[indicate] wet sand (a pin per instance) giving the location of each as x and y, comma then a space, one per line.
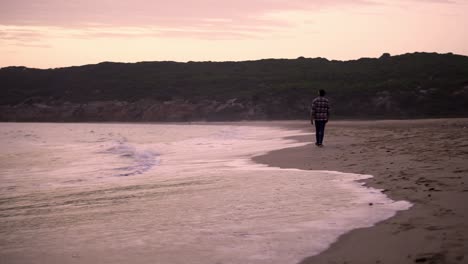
421, 161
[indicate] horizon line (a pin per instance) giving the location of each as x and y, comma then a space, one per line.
225, 61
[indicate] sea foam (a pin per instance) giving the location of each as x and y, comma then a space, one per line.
191, 195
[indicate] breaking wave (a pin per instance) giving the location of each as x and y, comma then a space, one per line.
141, 160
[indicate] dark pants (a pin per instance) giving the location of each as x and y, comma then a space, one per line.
319, 131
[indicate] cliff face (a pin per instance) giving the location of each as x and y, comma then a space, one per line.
381, 105
405, 86
148, 111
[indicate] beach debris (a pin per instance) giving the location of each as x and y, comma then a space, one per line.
431, 258
420, 260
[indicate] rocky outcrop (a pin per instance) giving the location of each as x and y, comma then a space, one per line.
142, 110
416, 102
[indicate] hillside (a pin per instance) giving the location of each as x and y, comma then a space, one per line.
404, 86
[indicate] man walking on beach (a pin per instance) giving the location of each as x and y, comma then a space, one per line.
319, 113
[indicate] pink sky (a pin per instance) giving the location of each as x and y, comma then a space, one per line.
57, 33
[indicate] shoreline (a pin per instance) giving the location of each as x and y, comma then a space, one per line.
421, 161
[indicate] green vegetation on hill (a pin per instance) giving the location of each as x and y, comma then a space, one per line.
409, 85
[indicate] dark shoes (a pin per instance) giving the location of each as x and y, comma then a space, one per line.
319, 145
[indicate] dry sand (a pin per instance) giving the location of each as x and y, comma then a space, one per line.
422, 161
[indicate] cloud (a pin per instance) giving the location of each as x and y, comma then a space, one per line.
206, 19
151, 12
20, 34
148, 32
438, 1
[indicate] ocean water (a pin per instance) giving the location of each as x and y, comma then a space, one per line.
158, 193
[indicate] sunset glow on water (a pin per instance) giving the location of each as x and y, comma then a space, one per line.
119, 193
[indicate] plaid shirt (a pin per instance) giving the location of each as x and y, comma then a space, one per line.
320, 109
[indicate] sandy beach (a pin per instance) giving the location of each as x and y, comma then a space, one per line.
421, 161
